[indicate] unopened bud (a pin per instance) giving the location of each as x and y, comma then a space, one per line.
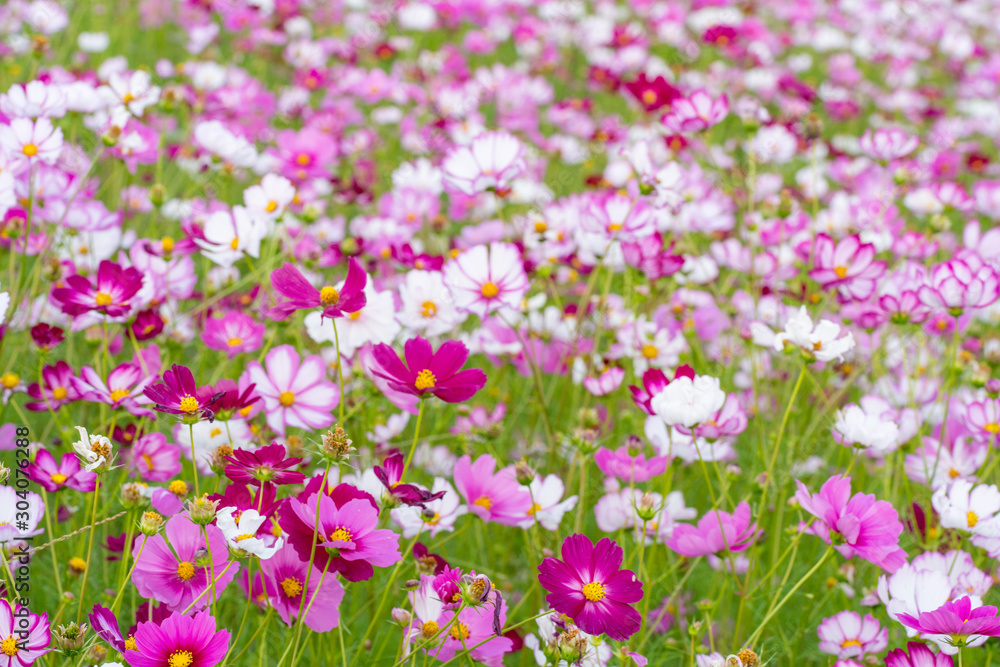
992, 387
524, 472
150, 523
411, 584
4, 473
202, 510
132, 495
110, 136
70, 637
337, 447
96, 654
646, 507
401, 617
748, 658
157, 195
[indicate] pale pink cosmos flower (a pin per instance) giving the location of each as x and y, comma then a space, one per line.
849, 266
982, 418
936, 465
606, 381
484, 279
887, 144
971, 508
491, 162
31, 141
847, 635
699, 111
960, 284
34, 99
295, 391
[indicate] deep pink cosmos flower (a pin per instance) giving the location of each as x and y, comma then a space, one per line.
653, 382
104, 623
24, 639
47, 337
265, 465
231, 399
191, 641
956, 624
285, 576
858, 525
58, 389
178, 394
699, 111
110, 293
147, 325
959, 284
491, 496
154, 459
233, 333
919, 656
348, 540
66, 474
653, 94
301, 294
177, 574
427, 372
729, 420
295, 391
737, 533
629, 463
589, 586
390, 473
848, 266
124, 388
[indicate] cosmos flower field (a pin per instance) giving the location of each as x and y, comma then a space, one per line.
469, 332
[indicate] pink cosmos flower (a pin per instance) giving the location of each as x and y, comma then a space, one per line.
23, 639
959, 284
919, 656
294, 390
497, 497
285, 576
485, 279
154, 459
347, 538
110, 293
58, 389
68, 473
629, 463
605, 383
124, 388
178, 394
491, 162
849, 266
191, 641
390, 473
30, 142
699, 111
887, 144
262, 466
737, 533
858, 525
847, 635
301, 294
304, 154
619, 217
589, 586
956, 624
233, 333
982, 418
427, 372
177, 574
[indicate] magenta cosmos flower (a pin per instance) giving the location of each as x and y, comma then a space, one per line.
155, 459
589, 586
629, 463
390, 473
295, 391
736, 534
497, 497
233, 333
347, 538
179, 641
919, 656
699, 111
849, 266
301, 294
285, 576
124, 388
858, 525
427, 372
177, 573
956, 624
110, 293
18, 649
848, 635
267, 464
178, 394
56, 391
66, 474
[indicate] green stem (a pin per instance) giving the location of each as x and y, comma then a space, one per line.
416, 436
774, 610
194, 461
90, 547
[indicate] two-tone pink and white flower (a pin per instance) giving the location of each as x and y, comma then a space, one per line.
960, 284
295, 391
887, 143
848, 266
699, 111
491, 162
484, 279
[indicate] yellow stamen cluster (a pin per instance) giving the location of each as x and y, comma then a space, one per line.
189, 404
185, 570
594, 591
286, 398
292, 587
425, 380
180, 659
329, 296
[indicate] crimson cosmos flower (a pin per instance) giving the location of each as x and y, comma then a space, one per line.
589, 587
178, 394
428, 372
301, 294
391, 472
267, 464
230, 399
47, 337
110, 293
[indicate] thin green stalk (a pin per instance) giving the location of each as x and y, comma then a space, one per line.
776, 608
90, 547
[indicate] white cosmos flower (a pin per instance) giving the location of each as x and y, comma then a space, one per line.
492, 161
240, 532
856, 427
687, 403
270, 198
549, 507
4, 304
95, 450
973, 509
822, 341
375, 323
428, 306
231, 235
216, 138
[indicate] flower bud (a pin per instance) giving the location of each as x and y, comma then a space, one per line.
132, 495
476, 589
748, 658
4, 473
991, 350
337, 447
70, 637
412, 584
401, 617
523, 472
150, 523
96, 654
646, 507
202, 510
110, 136
992, 387
77, 565
571, 646
217, 461
157, 195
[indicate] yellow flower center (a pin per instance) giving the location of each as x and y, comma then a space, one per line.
189, 404
355, 315
490, 290
235, 243
650, 351
484, 502
850, 642
303, 159
244, 536
425, 380
953, 473
271, 207
972, 519
180, 659
9, 646
428, 309
167, 243
433, 521
9, 380
216, 431
341, 535
993, 428
841, 271
185, 570
541, 227
328, 296
102, 299
459, 631
119, 394
649, 97
58, 477
59, 393
594, 591
429, 629
127, 98
77, 563
292, 587
130, 644
178, 487
31, 150
286, 398
534, 508
614, 227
